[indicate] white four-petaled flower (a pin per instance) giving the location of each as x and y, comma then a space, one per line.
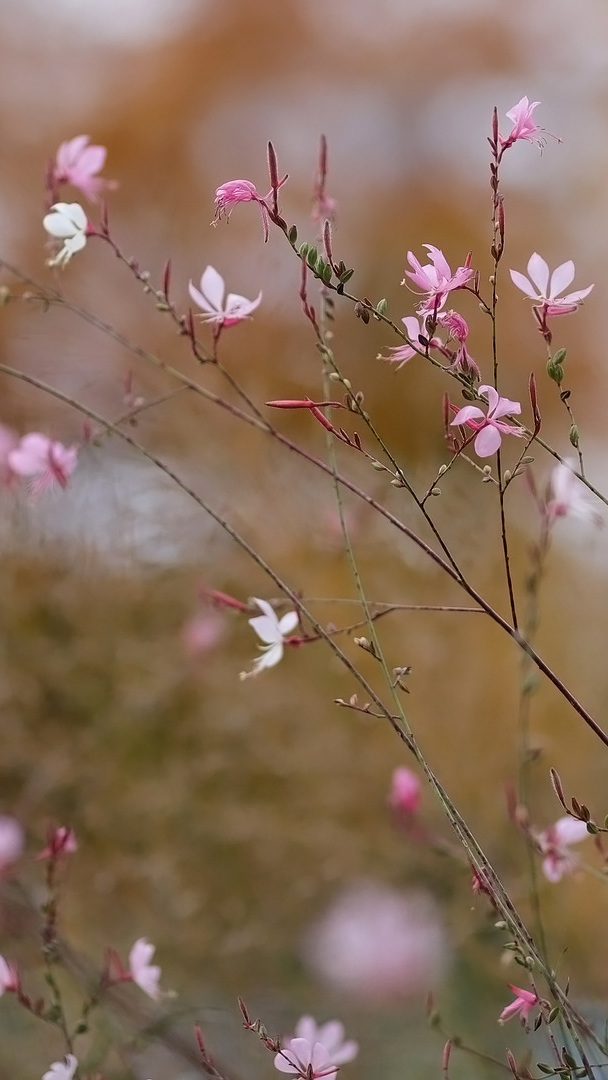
62, 1070
67, 222
315, 1050
210, 298
273, 632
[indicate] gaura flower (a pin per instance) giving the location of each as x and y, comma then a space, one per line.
9, 978
405, 792
545, 293
143, 973
554, 843
435, 279
273, 632
211, 299
490, 429
11, 842
525, 1000
67, 222
62, 1070
237, 191
568, 497
524, 126
315, 1050
458, 329
61, 841
77, 163
402, 353
44, 461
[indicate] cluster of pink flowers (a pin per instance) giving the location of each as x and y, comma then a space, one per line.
41, 461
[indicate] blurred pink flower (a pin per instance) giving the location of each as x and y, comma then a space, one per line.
143, 973
273, 632
568, 497
60, 841
77, 163
378, 944
45, 462
8, 441
211, 299
11, 842
202, 633
315, 1050
545, 292
524, 1002
459, 330
405, 792
554, 843
435, 279
62, 1070
9, 978
67, 222
490, 429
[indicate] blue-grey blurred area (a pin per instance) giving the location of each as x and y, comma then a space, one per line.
227, 821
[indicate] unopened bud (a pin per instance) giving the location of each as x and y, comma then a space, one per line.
574, 436
435, 491
508, 475
487, 469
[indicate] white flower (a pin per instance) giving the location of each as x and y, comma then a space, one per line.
273, 632
143, 973
67, 222
211, 299
555, 843
62, 1070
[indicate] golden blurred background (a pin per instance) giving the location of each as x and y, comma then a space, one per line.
222, 818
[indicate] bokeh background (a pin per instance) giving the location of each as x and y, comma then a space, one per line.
223, 819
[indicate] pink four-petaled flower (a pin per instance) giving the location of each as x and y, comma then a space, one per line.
525, 1000
77, 163
555, 842
435, 279
143, 973
545, 289
43, 461
210, 298
490, 429
315, 1050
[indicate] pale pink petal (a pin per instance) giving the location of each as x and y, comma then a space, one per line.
577, 296
488, 441
561, 277
212, 286
468, 412
521, 282
539, 273
569, 830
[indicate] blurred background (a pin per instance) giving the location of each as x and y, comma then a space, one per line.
230, 822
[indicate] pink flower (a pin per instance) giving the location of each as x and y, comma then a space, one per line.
62, 1070
211, 300
77, 163
525, 1000
554, 844
9, 978
405, 792
435, 279
459, 330
568, 497
490, 428
546, 293
378, 944
403, 353
315, 1050
143, 973
237, 191
60, 841
11, 842
524, 127
44, 461
202, 632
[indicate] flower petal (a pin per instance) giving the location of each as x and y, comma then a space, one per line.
488, 441
561, 277
539, 272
